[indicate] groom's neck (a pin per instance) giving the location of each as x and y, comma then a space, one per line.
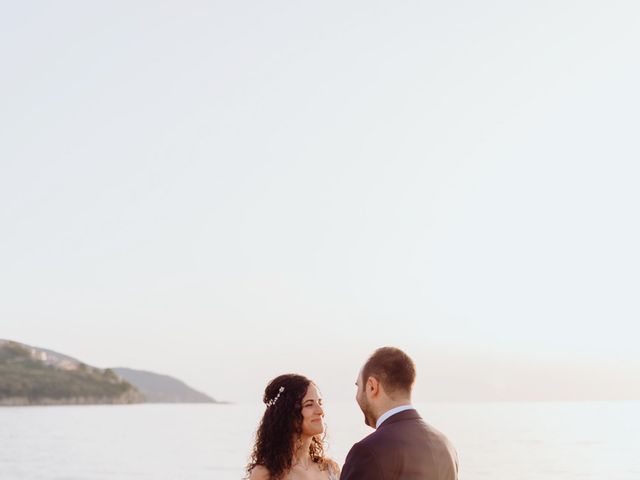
387, 404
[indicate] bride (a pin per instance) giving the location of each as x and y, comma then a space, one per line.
288, 442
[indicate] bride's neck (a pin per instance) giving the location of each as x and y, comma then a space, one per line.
301, 454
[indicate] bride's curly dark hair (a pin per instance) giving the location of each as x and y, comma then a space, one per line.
281, 425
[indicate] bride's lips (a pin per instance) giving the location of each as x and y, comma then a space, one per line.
316, 420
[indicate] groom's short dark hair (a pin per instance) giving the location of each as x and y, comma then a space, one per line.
393, 368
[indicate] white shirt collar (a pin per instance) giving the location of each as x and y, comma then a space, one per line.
392, 412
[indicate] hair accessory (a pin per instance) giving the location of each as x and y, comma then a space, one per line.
275, 399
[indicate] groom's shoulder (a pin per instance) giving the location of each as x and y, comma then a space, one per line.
374, 439
406, 425
366, 443
366, 450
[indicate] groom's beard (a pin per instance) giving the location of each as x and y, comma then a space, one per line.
369, 419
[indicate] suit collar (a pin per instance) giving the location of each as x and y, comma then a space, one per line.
392, 411
411, 414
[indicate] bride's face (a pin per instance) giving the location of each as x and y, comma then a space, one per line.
312, 412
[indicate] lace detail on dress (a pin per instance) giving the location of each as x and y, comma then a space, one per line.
334, 474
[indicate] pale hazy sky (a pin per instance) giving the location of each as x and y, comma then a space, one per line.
224, 191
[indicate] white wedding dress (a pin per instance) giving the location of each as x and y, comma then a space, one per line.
333, 474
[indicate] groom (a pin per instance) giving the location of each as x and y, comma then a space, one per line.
403, 447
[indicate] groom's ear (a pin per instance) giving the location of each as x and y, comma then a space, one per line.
373, 386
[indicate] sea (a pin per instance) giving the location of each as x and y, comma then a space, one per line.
497, 441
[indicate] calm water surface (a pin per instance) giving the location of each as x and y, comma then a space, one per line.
498, 441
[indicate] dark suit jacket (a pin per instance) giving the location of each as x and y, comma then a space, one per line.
404, 447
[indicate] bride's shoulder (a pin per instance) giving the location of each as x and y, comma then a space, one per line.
332, 466
259, 473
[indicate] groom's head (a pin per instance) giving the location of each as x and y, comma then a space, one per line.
384, 382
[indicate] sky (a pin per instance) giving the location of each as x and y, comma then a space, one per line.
227, 191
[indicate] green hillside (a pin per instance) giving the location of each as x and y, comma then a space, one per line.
28, 377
